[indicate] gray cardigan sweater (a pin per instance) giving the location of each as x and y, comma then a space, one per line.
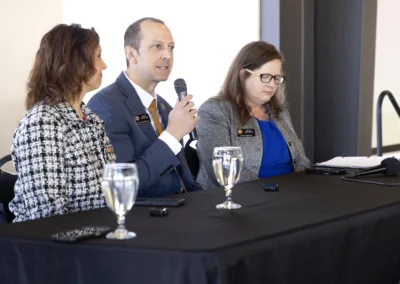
219, 125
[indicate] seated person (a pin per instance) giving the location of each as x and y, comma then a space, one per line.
143, 128
60, 147
250, 112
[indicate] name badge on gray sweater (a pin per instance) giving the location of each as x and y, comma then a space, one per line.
246, 132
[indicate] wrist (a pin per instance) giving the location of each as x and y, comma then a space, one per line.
175, 134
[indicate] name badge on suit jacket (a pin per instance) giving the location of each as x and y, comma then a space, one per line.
142, 118
246, 132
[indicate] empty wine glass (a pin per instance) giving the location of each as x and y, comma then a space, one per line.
120, 184
227, 164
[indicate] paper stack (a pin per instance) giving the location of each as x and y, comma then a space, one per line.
352, 162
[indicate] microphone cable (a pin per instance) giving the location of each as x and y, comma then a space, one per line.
389, 167
350, 179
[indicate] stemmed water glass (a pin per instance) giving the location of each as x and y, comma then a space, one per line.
119, 185
227, 164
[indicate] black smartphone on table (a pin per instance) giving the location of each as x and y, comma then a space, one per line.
162, 202
325, 171
80, 234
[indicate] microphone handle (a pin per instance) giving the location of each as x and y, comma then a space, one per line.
371, 172
370, 169
181, 95
193, 134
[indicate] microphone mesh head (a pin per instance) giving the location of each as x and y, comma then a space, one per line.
392, 166
180, 86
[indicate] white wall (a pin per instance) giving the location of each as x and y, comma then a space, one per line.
207, 33
387, 71
22, 25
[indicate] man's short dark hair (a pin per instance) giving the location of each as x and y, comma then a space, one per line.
133, 34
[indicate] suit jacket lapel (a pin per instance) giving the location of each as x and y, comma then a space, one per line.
282, 127
163, 110
286, 132
254, 162
134, 104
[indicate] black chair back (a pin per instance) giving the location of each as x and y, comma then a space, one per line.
7, 181
191, 158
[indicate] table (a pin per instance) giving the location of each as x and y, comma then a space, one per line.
316, 229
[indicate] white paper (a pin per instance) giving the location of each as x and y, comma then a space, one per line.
352, 162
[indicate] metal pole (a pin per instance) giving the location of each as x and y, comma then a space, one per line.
379, 118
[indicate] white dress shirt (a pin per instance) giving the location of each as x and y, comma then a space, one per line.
146, 100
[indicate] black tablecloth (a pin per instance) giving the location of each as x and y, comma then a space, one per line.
316, 229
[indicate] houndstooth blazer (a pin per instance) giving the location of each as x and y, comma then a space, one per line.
59, 158
219, 125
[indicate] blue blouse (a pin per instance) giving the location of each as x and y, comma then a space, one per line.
276, 159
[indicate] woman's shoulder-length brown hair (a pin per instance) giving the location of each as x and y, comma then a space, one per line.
251, 56
64, 61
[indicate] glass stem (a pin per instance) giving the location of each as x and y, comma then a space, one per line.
228, 194
121, 223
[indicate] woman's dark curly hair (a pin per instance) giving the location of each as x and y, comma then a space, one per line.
64, 61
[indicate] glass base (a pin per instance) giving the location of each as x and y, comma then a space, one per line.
228, 205
120, 235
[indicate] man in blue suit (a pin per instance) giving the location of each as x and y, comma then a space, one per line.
142, 126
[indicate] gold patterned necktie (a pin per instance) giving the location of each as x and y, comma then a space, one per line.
154, 114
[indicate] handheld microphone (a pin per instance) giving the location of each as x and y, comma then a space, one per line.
388, 167
181, 90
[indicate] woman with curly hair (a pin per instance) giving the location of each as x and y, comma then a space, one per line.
60, 147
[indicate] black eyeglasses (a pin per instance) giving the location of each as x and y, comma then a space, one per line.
266, 78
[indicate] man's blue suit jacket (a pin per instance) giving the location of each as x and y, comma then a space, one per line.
118, 105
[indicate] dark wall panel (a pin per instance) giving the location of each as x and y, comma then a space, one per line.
329, 48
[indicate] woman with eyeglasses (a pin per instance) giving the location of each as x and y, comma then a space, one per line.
250, 112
